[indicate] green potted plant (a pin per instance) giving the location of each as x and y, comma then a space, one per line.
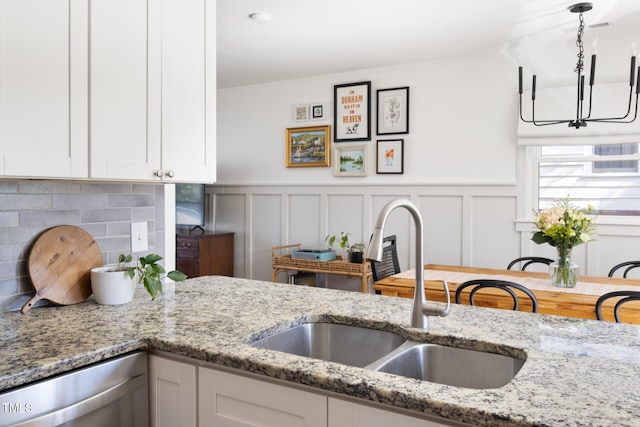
115, 284
343, 242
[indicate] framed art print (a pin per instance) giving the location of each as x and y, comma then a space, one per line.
393, 111
308, 146
350, 160
390, 156
352, 112
318, 111
301, 112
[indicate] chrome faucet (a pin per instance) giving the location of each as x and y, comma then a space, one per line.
421, 308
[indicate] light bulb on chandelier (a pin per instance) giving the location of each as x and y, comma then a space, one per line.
581, 120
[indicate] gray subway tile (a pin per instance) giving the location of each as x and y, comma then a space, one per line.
9, 286
8, 187
131, 200
117, 243
106, 215
143, 214
12, 268
146, 188
119, 229
104, 188
49, 217
24, 201
11, 253
79, 201
98, 229
48, 187
9, 218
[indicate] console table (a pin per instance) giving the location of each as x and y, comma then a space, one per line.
206, 254
283, 262
578, 302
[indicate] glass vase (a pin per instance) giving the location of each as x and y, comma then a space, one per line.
563, 272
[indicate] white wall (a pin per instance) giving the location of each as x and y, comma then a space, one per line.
462, 124
461, 168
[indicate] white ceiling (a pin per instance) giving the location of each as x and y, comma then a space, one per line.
314, 37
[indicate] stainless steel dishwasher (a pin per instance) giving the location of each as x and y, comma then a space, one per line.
107, 394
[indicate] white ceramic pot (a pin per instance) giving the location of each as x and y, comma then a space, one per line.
112, 287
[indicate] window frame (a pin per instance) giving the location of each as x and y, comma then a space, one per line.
530, 158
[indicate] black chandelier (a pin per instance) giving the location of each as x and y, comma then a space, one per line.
581, 120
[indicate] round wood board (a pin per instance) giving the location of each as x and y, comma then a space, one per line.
60, 264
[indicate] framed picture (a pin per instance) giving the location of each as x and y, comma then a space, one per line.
318, 111
350, 160
393, 111
309, 147
352, 112
390, 156
301, 112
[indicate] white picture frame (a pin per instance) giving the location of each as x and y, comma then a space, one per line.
350, 160
301, 112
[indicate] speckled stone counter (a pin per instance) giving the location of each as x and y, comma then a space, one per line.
577, 373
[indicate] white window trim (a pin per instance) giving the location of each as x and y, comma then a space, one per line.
528, 167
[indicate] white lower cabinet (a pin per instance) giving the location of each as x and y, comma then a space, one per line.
229, 400
172, 393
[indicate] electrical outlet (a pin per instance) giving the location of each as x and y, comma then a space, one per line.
139, 237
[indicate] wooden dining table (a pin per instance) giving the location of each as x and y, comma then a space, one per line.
578, 302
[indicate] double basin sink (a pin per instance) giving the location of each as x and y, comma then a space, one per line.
389, 352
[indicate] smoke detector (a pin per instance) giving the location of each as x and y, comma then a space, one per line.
260, 18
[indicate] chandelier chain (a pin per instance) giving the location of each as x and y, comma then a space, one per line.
580, 44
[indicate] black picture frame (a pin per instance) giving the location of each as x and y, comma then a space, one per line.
392, 111
352, 112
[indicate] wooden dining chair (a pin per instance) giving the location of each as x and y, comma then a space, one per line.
528, 260
623, 298
504, 285
627, 265
389, 264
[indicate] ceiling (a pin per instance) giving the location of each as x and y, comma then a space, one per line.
306, 38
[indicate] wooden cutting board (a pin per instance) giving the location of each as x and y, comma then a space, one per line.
60, 264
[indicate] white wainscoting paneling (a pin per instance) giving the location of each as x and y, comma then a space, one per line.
463, 225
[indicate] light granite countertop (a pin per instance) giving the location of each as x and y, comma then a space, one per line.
577, 373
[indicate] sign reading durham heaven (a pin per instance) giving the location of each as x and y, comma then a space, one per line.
352, 112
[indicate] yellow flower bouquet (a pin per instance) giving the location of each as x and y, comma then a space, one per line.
564, 226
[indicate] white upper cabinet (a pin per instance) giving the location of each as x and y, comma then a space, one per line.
43, 88
188, 90
125, 101
151, 65
108, 89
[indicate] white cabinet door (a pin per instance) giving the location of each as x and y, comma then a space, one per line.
125, 42
188, 90
172, 393
153, 90
227, 400
43, 88
348, 414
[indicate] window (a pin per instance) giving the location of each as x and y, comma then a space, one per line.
615, 165
579, 172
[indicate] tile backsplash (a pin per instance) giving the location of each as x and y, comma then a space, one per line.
104, 210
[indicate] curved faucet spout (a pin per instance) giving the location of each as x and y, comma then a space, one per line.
421, 308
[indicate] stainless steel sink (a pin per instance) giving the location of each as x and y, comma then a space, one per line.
350, 345
450, 365
389, 352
